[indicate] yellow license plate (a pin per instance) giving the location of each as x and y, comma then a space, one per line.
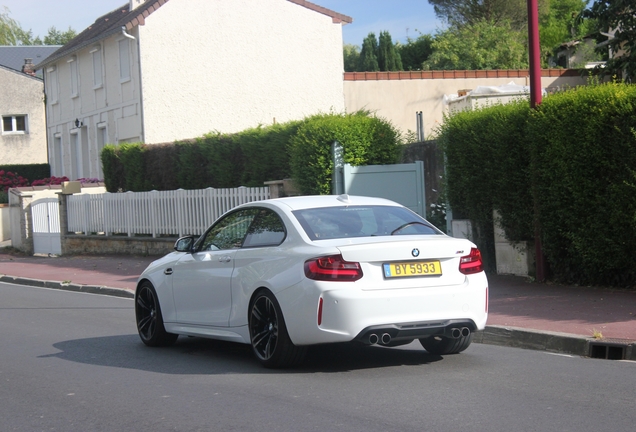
412, 268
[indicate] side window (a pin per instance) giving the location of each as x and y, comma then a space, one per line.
229, 232
16, 124
266, 230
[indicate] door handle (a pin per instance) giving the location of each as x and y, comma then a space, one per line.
167, 271
225, 258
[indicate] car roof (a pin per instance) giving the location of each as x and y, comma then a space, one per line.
313, 201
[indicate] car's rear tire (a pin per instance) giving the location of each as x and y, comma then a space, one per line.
442, 345
149, 318
268, 334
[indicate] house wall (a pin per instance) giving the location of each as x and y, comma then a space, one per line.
398, 96
21, 94
225, 66
110, 109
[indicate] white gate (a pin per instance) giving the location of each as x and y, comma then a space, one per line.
46, 226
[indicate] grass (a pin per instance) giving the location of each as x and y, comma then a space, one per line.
596, 334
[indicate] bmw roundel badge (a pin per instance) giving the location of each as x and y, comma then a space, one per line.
415, 252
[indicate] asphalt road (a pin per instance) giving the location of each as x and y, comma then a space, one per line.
73, 362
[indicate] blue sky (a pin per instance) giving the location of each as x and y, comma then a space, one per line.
401, 18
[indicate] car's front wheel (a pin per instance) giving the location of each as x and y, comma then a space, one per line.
442, 345
149, 318
268, 334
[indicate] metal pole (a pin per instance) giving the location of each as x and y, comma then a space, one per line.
535, 99
337, 187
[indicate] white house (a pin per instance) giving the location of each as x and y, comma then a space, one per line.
22, 132
156, 71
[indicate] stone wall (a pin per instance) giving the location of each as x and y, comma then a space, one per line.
116, 245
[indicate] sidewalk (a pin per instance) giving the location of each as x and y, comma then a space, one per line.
524, 314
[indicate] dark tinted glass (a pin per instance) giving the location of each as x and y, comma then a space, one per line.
362, 221
266, 230
228, 232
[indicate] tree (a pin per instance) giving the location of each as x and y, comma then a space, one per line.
368, 60
388, 57
617, 18
482, 45
470, 12
560, 23
12, 34
415, 52
10, 31
351, 55
56, 37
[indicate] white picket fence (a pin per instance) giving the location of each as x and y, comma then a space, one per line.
157, 213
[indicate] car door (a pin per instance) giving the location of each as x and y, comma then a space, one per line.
202, 279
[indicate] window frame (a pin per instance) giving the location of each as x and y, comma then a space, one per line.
124, 60
98, 67
52, 85
74, 76
14, 124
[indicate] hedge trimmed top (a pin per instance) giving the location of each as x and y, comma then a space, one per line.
300, 150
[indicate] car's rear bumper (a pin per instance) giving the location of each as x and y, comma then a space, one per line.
347, 313
405, 332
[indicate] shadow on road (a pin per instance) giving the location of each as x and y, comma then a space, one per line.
193, 356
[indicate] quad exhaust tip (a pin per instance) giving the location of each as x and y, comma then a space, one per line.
385, 339
456, 333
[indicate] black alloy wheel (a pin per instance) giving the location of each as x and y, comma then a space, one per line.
268, 334
149, 318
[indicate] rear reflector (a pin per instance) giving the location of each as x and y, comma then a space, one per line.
471, 263
332, 268
320, 311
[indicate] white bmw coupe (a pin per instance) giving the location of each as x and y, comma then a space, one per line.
285, 273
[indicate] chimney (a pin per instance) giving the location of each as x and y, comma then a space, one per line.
28, 67
134, 4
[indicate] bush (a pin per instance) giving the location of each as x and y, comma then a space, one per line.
573, 158
365, 140
113, 168
29, 171
585, 156
9, 180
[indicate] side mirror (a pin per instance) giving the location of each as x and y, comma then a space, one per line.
184, 244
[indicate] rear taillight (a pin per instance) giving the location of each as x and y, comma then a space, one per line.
471, 263
332, 268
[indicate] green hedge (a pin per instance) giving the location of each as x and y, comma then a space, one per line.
254, 156
366, 140
29, 171
585, 160
487, 163
576, 154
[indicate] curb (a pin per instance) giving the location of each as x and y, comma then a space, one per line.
555, 342
91, 289
515, 337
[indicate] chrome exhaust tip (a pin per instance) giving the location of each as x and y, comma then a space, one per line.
373, 339
386, 338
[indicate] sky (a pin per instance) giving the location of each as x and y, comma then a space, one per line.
401, 18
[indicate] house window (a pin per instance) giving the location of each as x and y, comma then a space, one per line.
124, 60
51, 84
97, 67
56, 166
14, 124
74, 77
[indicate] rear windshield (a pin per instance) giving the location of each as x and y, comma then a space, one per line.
362, 221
